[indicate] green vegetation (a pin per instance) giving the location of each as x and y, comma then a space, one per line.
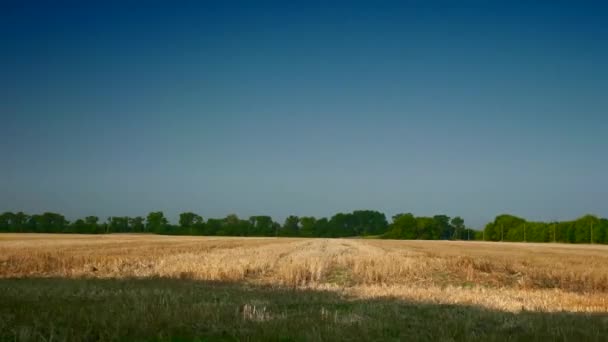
365, 223
438, 227
185, 310
357, 223
587, 229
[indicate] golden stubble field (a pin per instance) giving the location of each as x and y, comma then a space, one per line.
500, 276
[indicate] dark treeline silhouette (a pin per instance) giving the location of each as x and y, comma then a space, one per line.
357, 223
587, 229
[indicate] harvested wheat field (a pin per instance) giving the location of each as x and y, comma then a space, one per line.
143, 287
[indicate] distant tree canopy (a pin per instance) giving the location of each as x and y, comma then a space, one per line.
438, 227
587, 229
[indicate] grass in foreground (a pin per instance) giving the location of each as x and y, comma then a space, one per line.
172, 309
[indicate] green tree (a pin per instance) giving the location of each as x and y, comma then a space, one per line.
341, 225
48, 222
5, 221
189, 219
291, 227
117, 224
262, 226
582, 228
403, 227
136, 224
368, 222
499, 229
91, 225
440, 228
457, 225
190, 223
307, 226
79, 226
321, 227
233, 226
14, 222
427, 228
156, 222
213, 227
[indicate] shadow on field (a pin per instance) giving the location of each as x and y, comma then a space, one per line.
183, 310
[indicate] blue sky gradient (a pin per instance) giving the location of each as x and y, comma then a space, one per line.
461, 108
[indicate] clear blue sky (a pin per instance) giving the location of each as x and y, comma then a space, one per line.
278, 108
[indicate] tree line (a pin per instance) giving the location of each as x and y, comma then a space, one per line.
357, 223
587, 229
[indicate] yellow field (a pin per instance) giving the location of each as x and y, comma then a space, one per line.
499, 276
